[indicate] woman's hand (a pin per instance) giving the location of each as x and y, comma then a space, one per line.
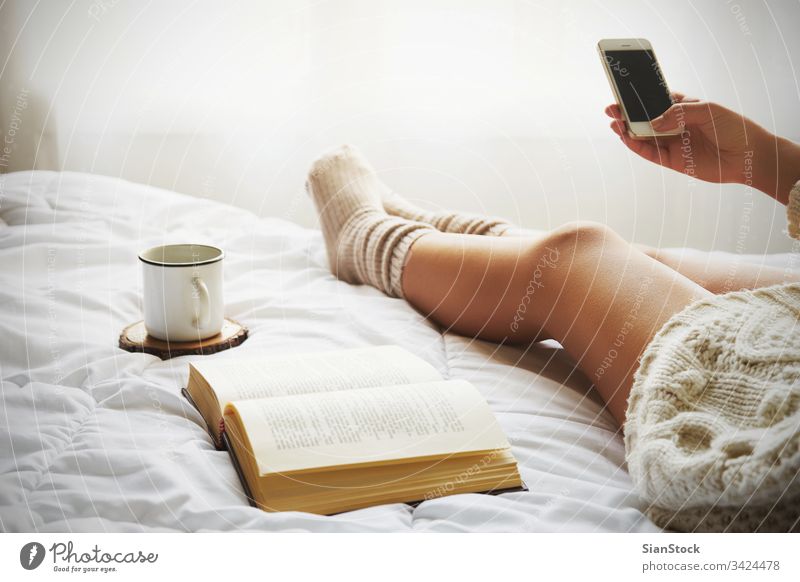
716, 145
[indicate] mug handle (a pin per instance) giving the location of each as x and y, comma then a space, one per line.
203, 314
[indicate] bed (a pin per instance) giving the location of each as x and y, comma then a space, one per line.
94, 438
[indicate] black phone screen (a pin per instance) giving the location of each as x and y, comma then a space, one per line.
640, 83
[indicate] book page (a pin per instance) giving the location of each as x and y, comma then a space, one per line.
364, 426
285, 375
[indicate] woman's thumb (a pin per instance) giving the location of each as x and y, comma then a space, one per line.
683, 114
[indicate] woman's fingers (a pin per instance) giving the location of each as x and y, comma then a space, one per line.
615, 112
685, 109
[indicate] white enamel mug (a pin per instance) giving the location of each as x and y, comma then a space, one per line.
182, 291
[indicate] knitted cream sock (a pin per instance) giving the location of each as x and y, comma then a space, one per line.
365, 245
444, 220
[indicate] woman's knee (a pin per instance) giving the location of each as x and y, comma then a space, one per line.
556, 256
549, 260
581, 237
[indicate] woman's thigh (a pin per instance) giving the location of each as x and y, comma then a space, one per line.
580, 284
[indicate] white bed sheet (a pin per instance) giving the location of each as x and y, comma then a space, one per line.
96, 438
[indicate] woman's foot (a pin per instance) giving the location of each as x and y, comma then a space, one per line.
365, 244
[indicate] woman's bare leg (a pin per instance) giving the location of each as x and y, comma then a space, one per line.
581, 284
715, 272
721, 273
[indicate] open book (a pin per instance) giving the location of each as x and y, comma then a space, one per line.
342, 430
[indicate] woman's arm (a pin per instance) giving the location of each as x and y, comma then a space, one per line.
779, 177
717, 145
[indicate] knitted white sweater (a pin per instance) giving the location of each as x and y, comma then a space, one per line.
712, 431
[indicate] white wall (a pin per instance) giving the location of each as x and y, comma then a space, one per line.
491, 106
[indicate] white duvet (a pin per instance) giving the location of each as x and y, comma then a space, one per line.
96, 438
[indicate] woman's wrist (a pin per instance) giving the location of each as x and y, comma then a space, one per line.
776, 167
788, 169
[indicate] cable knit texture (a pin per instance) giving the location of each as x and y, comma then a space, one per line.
713, 418
712, 431
365, 245
793, 211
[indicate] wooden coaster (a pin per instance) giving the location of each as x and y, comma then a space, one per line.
134, 338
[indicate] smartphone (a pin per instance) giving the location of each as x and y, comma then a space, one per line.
637, 82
